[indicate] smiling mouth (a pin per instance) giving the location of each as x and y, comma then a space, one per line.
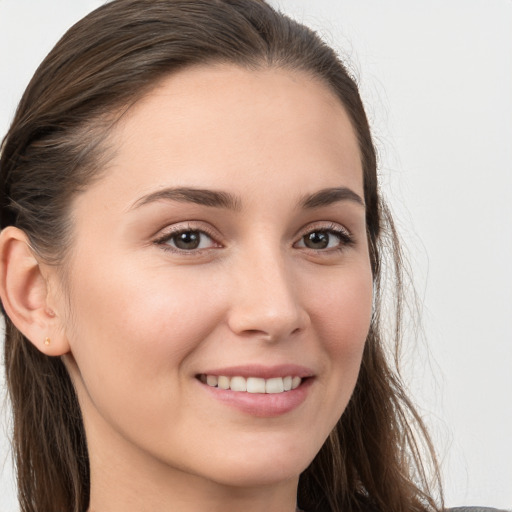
252, 384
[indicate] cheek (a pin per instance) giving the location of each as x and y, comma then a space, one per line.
147, 308
342, 316
343, 311
136, 334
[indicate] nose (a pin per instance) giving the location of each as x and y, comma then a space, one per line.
267, 302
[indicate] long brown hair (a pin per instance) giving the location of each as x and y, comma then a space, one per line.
374, 458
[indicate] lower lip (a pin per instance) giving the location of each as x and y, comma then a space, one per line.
263, 405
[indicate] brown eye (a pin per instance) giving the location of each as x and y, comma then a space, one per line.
325, 239
317, 240
187, 240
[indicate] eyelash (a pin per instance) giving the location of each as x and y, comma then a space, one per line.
344, 236
174, 232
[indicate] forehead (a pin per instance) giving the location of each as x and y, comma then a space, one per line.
223, 123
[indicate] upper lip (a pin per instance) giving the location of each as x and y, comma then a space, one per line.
261, 371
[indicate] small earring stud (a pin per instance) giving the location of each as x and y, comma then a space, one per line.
47, 341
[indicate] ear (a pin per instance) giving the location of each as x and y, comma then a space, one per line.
26, 295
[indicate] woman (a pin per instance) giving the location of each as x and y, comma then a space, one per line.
191, 263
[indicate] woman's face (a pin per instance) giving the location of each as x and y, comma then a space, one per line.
226, 239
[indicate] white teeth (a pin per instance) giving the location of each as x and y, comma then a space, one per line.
255, 385
238, 384
252, 384
274, 385
211, 380
223, 382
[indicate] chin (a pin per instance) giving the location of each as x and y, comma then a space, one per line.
268, 467
247, 476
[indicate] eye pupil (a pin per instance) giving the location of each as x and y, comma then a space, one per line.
317, 240
187, 240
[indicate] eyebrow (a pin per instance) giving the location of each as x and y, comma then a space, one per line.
220, 199
213, 198
329, 196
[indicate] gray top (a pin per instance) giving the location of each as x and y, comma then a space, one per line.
475, 509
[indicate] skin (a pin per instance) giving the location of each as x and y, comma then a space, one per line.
137, 319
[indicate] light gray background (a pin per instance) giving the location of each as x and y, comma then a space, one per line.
437, 81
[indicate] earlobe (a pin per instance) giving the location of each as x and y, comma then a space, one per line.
25, 295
